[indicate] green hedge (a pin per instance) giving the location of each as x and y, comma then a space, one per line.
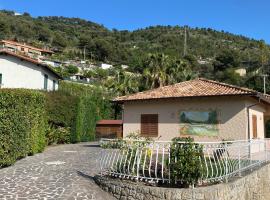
86, 117
22, 124
76, 108
61, 108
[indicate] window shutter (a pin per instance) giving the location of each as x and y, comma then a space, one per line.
54, 83
149, 125
45, 81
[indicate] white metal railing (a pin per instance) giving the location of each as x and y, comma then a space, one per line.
153, 160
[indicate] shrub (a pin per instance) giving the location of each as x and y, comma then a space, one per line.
57, 135
185, 166
61, 109
22, 124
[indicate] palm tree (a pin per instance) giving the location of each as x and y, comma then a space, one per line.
156, 70
161, 70
123, 83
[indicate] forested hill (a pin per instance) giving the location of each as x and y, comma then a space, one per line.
73, 34
209, 53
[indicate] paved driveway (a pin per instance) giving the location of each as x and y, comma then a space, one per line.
60, 172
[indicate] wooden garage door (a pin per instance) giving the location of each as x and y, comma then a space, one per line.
149, 125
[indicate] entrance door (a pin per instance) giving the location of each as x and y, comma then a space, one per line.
254, 126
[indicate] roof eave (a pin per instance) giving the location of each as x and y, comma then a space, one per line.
183, 97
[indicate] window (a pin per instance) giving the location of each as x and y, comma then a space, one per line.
54, 85
1, 82
45, 81
149, 125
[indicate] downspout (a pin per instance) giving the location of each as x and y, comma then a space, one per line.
250, 106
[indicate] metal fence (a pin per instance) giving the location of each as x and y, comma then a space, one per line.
152, 160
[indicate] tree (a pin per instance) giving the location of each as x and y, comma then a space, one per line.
156, 68
4, 29
72, 69
59, 40
161, 70
226, 59
230, 76
264, 54
123, 83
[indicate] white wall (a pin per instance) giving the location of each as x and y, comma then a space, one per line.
17, 73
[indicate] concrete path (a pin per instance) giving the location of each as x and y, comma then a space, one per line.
60, 172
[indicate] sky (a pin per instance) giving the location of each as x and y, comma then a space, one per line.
250, 18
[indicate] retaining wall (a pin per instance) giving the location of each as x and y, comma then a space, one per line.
254, 186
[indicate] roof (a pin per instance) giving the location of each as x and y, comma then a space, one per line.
194, 88
25, 45
109, 122
30, 60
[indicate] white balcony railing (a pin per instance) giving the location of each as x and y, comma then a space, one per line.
158, 161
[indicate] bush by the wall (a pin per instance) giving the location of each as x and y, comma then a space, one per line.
22, 124
57, 135
185, 167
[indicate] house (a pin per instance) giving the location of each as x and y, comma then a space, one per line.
79, 78
19, 71
241, 71
203, 109
24, 49
105, 66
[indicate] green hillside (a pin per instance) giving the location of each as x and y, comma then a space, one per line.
209, 53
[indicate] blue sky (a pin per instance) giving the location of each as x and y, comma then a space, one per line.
246, 17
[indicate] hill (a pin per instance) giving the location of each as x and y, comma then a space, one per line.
73, 34
208, 52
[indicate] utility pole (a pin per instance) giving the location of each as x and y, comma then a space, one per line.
185, 41
84, 53
264, 82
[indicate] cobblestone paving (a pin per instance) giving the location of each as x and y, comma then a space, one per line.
60, 172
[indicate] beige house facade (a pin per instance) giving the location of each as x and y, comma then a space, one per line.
203, 109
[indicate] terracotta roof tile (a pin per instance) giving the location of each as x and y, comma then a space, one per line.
25, 45
194, 88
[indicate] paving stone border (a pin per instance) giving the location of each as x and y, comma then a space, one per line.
254, 186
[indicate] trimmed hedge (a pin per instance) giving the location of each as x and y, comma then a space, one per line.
86, 118
29, 119
22, 124
76, 108
61, 108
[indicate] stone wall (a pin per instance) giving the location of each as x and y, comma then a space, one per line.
254, 186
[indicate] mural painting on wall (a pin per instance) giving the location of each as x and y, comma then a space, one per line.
199, 123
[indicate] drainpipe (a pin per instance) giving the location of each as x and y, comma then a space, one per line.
249, 136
